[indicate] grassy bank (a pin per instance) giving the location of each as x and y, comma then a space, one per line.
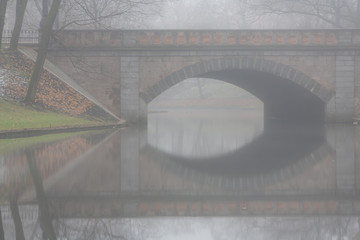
15, 116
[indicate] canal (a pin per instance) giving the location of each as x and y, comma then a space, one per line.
187, 174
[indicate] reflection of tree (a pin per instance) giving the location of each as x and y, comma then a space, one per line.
357, 236
112, 229
312, 228
2, 234
192, 134
17, 220
45, 219
335, 13
50, 158
272, 228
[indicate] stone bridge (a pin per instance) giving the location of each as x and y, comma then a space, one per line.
306, 75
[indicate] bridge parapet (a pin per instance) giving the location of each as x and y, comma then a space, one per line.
207, 38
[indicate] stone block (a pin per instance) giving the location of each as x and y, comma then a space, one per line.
345, 37
268, 66
345, 84
251, 63
145, 97
156, 89
195, 69
276, 68
180, 75
285, 71
216, 64
174, 79
203, 67
129, 98
129, 76
163, 85
130, 39
347, 68
344, 63
130, 84
291, 74
344, 58
345, 90
345, 75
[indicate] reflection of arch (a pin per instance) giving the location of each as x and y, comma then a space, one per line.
292, 153
286, 92
203, 134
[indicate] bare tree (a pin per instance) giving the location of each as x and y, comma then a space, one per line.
43, 47
3, 5
333, 13
216, 14
97, 14
20, 12
84, 14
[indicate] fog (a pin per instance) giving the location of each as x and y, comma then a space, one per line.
210, 139
257, 14
194, 14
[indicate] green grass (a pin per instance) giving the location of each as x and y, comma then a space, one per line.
14, 116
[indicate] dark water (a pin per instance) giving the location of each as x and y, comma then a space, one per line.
186, 175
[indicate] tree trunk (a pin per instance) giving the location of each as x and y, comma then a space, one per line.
2, 234
20, 12
3, 5
357, 24
19, 231
44, 14
43, 47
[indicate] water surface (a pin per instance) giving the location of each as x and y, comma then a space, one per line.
186, 175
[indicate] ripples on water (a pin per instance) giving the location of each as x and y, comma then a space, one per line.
186, 175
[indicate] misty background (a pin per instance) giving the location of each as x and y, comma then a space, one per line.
194, 14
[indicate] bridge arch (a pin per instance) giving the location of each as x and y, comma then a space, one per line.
287, 93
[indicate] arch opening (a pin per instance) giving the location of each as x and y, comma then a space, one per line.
289, 98
201, 118
205, 93
284, 100
288, 95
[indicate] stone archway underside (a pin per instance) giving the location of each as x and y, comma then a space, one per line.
287, 93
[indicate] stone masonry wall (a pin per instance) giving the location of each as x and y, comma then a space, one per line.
119, 59
98, 75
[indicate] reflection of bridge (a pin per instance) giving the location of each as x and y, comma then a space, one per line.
130, 182
298, 74
165, 205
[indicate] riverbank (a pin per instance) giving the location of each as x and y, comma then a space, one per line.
17, 120
57, 106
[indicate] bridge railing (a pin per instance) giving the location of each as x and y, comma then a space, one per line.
27, 36
312, 38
